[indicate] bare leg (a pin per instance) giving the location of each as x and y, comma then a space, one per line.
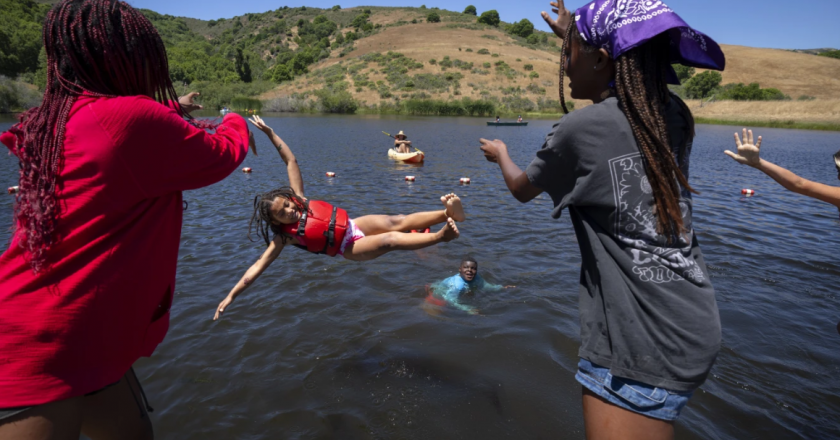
373, 246
118, 412
52, 421
380, 224
605, 421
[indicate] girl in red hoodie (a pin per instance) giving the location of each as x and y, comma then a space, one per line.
87, 281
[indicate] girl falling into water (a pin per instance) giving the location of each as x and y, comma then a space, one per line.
284, 216
650, 329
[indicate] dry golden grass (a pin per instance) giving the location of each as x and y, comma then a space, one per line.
795, 74
820, 110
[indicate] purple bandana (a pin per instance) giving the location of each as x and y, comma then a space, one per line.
621, 25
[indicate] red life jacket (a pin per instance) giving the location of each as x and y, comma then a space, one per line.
322, 226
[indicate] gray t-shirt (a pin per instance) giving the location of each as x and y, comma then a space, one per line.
647, 308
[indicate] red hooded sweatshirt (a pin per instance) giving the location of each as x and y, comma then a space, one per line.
104, 300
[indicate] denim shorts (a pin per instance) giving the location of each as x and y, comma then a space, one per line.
632, 395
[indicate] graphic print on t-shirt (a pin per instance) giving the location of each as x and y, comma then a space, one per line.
635, 226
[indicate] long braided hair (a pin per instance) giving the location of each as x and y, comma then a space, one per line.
100, 48
261, 223
641, 87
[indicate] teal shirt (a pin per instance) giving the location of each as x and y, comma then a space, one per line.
451, 289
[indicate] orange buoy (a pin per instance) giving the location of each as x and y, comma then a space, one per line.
14, 189
747, 192
465, 181
330, 174
246, 170
426, 231
409, 178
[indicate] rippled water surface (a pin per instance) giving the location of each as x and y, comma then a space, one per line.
327, 348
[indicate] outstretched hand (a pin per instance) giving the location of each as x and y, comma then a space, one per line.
261, 125
492, 149
563, 21
222, 306
748, 152
187, 103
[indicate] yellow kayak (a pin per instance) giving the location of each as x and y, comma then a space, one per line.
413, 157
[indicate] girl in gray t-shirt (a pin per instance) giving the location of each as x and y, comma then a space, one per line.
650, 329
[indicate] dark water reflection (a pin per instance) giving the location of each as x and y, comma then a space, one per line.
327, 348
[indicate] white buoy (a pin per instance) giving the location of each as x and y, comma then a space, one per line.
330, 174
465, 181
747, 192
14, 189
409, 178
246, 170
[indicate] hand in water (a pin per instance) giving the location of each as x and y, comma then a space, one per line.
492, 149
260, 124
748, 153
187, 103
564, 18
222, 306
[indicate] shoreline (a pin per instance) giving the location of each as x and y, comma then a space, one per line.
768, 123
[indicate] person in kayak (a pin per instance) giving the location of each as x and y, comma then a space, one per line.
466, 282
285, 216
401, 143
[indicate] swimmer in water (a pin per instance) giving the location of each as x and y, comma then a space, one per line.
284, 216
467, 281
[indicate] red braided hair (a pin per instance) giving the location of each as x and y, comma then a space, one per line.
100, 48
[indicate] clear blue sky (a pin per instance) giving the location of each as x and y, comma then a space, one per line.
804, 24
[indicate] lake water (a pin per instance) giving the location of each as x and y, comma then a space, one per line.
327, 348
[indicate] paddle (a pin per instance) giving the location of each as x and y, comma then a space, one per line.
388, 134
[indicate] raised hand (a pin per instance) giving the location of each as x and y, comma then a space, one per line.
187, 103
563, 21
748, 152
492, 149
222, 306
260, 124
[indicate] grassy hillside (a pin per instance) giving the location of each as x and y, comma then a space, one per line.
379, 58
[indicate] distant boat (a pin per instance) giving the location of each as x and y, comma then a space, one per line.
507, 124
224, 111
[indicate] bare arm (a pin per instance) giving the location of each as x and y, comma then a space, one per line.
251, 275
748, 154
292, 168
515, 179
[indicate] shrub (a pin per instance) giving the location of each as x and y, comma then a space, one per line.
534, 75
433, 17
470, 10
339, 38
495, 55
340, 101
445, 62
469, 50
281, 73
684, 73
831, 54
483, 52
245, 103
528, 67
414, 21
490, 17
522, 28
486, 65
702, 85
336, 8
433, 61
752, 92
